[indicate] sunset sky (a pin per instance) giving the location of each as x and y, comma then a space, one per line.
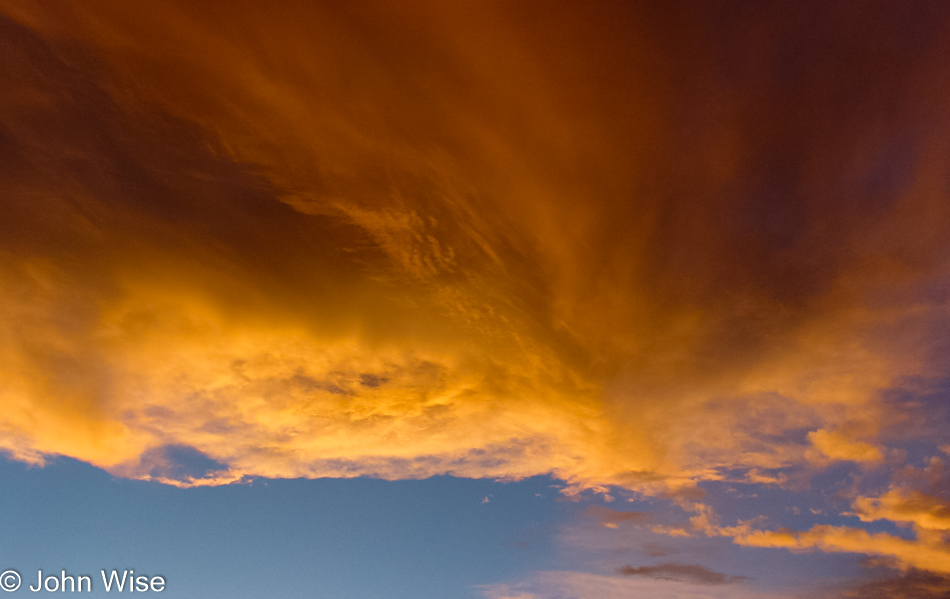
477, 299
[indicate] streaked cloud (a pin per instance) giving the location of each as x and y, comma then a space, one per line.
923, 554
631, 247
682, 572
614, 518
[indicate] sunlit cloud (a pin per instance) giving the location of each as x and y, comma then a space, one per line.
933, 556
622, 246
836, 446
918, 497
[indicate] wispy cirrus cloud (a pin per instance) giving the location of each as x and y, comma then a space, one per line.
693, 573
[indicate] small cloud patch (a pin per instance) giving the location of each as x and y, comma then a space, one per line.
692, 573
179, 465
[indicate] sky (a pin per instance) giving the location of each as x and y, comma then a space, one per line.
477, 299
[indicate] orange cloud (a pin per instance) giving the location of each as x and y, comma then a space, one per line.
841, 539
836, 446
403, 240
920, 498
925, 511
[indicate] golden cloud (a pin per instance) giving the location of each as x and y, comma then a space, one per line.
921, 498
925, 511
477, 239
836, 446
930, 556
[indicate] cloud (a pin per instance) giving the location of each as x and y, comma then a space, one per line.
924, 554
920, 497
693, 573
178, 466
614, 518
928, 550
910, 585
836, 446
622, 246
159, 307
925, 511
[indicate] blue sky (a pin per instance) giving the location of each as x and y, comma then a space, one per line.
371, 538
307, 538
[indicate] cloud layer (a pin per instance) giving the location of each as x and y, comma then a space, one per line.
644, 246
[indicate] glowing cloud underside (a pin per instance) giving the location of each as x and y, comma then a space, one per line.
623, 247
